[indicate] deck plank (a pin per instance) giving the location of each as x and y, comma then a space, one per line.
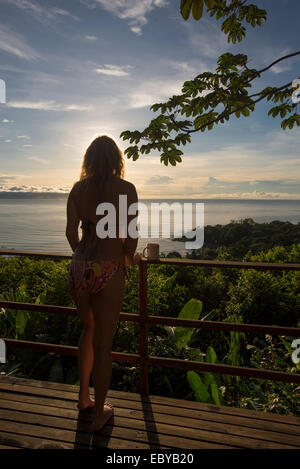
125, 428
41, 414
9, 447
123, 418
159, 400
163, 414
14, 441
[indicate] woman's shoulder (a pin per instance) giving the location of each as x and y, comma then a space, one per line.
127, 186
74, 189
77, 191
79, 186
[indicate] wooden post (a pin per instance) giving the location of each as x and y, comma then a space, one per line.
144, 388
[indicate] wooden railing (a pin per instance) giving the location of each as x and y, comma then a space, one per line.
143, 359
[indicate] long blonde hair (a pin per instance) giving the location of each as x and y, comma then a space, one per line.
102, 160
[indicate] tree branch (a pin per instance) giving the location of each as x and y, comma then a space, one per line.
224, 114
278, 60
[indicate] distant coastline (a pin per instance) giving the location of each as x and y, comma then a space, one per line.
35, 221
63, 195
33, 195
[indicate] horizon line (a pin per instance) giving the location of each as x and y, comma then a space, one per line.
6, 194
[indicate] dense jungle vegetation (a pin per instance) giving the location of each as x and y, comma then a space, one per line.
216, 294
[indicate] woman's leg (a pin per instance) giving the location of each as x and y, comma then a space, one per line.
85, 347
106, 307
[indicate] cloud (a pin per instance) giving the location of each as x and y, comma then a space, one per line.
154, 91
48, 106
283, 66
43, 105
25, 137
137, 30
34, 189
91, 38
12, 188
159, 180
208, 40
184, 66
114, 70
15, 44
40, 13
133, 11
4, 179
39, 160
7, 121
261, 186
215, 182
164, 84
56, 12
279, 68
75, 107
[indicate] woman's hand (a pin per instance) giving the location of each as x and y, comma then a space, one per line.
133, 260
136, 258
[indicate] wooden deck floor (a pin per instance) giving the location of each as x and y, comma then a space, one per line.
37, 414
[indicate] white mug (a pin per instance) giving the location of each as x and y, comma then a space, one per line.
152, 251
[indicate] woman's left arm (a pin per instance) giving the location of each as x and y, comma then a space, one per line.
72, 223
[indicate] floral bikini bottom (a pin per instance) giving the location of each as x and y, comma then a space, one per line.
92, 276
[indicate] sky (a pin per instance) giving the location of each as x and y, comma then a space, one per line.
76, 69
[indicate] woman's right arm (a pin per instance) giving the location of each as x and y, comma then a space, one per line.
72, 223
131, 240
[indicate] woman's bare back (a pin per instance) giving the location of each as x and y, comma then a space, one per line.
86, 199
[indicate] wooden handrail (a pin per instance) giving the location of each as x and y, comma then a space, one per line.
164, 320
162, 362
143, 359
224, 264
39, 254
169, 261
66, 349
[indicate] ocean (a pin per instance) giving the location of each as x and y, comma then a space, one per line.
38, 224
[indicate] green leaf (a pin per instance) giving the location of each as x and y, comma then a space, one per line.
211, 356
21, 321
209, 379
191, 310
197, 9
198, 387
245, 112
195, 354
185, 8
215, 393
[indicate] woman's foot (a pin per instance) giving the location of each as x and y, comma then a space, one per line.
100, 420
85, 403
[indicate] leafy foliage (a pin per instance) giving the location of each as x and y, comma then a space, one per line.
235, 13
239, 237
211, 99
217, 294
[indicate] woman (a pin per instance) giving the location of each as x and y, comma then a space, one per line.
96, 272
